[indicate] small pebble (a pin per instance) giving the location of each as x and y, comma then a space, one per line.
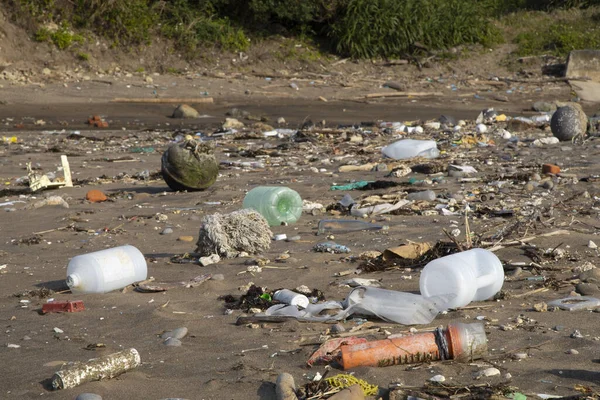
520, 356
88, 396
95, 196
515, 273
58, 330
178, 333
548, 185
185, 238
488, 372
218, 277
172, 342
338, 328
592, 245
167, 231
572, 351
438, 378
13, 346
293, 238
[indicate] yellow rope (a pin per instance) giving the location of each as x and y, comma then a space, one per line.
344, 380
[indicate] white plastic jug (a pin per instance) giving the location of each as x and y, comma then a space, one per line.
106, 270
471, 275
409, 148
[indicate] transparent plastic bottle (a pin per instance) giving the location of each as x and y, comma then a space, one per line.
106, 270
409, 148
426, 195
471, 275
276, 203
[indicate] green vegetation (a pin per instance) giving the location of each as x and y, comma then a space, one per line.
354, 28
557, 33
402, 26
63, 37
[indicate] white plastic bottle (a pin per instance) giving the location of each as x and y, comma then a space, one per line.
409, 148
276, 203
287, 296
471, 275
106, 270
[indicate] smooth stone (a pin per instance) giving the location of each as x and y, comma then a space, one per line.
172, 342
167, 231
588, 289
572, 351
185, 238
88, 396
438, 378
593, 275
543, 106
293, 238
218, 277
548, 185
178, 333
185, 111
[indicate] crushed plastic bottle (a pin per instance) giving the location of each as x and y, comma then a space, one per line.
409, 148
331, 247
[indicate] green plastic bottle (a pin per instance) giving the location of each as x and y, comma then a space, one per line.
276, 203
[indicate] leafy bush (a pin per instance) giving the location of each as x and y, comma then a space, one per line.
195, 27
123, 21
368, 28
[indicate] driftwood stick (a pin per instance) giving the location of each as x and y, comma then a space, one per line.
524, 240
403, 94
203, 100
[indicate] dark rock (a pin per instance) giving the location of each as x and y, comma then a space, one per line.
569, 122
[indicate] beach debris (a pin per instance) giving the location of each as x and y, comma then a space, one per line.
228, 235
96, 369
63, 306
331, 247
37, 182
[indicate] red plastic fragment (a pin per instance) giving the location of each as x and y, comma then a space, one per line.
63, 306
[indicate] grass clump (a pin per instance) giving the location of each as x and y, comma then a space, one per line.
195, 26
370, 28
557, 33
63, 37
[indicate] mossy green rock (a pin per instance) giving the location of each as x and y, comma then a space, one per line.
189, 166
